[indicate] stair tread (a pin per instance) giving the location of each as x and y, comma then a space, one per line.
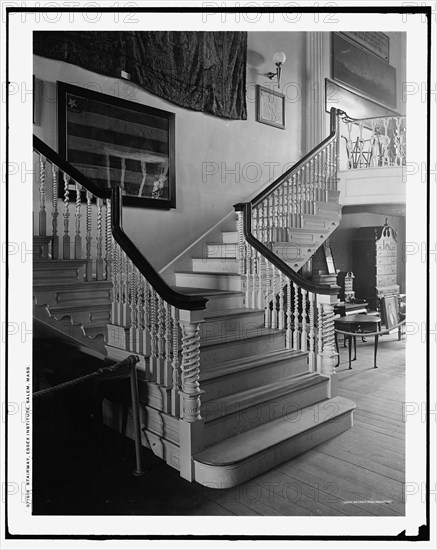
215, 258
223, 273
236, 402
242, 446
232, 366
234, 312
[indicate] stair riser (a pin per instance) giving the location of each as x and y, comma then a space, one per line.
234, 326
225, 302
306, 237
65, 298
205, 280
263, 374
219, 265
218, 250
242, 420
310, 222
224, 477
328, 209
211, 355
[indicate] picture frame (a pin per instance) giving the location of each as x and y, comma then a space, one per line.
376, 42
114, 141
353, 103
362, 71
329, 259
270, 107
390, 309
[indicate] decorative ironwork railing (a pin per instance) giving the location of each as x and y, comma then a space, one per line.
374, 142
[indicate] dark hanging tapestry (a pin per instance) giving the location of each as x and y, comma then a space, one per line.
204, 71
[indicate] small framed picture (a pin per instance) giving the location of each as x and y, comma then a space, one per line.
270, 107
390, 309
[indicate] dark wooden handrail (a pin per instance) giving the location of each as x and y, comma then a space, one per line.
334, 113
246, 208
171, 296
310, 286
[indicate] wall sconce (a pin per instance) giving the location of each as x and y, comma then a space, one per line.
278, 59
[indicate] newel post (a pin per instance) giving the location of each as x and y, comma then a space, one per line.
327, 355
191, 424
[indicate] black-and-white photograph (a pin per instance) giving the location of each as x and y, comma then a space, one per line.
208, 318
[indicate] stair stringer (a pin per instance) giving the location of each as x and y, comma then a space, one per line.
65, 326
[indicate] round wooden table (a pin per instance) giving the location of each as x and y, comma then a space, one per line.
358, 324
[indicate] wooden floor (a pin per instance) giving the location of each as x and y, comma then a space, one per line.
359, 473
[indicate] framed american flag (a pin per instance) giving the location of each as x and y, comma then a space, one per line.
115, 142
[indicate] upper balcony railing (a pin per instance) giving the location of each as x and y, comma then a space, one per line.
373, 142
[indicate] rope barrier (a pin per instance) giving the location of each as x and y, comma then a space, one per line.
106, 372
379, 333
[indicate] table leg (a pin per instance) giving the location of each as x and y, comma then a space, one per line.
336, 348
350, 350
376, 350
355, 348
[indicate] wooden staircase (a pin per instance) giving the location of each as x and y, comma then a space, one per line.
228, 389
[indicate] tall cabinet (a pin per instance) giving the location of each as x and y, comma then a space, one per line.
375, 264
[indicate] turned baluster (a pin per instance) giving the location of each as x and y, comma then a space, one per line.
99, 260
281, 312
66, 237
289, 331
274, 317
88, 239
296, 317
259, 262
78, 215
240, 233
253, 295
267, 311
311, 355
303, 334
125, 298
153, 359
190, 369
115, 276
167, 365
55, 237
133, 308
319, 334
175, 401
160, 336
42, 225
108, 240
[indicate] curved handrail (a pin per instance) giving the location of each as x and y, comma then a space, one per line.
310, 286
246, 208
171, 296
334, 113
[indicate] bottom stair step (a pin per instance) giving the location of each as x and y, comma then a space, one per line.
247, 455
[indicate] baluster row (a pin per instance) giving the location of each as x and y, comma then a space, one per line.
91, 218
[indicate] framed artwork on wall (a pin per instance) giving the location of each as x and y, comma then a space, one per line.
362, 71
352, 103
270, 107
115, 142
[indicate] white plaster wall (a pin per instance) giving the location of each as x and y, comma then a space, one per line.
241, 156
